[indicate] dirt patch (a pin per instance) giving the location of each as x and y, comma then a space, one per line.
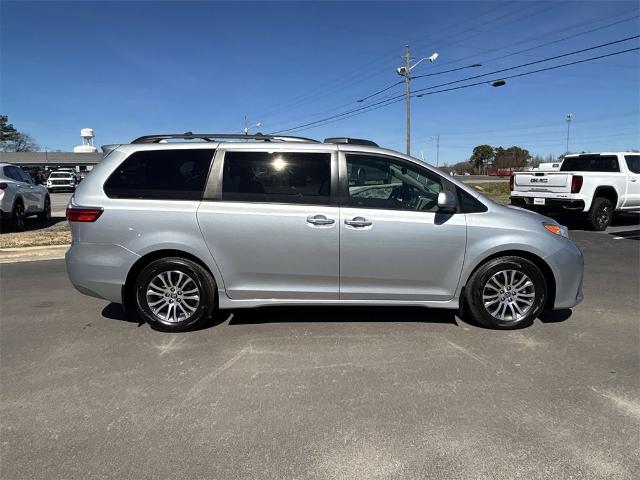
38, 233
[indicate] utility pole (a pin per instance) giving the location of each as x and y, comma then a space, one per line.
245, 128
405, 71
437, 139
407, 81
569, 120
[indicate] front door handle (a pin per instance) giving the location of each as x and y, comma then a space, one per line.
320, 220
359, 222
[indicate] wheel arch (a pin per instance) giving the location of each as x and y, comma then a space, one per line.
538, 261
606, 191
143, 261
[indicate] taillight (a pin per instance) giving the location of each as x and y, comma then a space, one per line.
576, 183
3, 185
511, 181
81, 214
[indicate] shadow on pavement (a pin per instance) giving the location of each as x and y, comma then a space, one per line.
627, 234
342, 314
555, 316
31, 224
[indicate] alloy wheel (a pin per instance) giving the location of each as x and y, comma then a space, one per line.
172, 296
508, 295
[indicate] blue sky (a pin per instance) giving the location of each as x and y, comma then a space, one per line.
133, 68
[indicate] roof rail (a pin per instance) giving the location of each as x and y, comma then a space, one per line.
213, 137
350, 141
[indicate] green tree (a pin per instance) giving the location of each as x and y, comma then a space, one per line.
11, 140
481, 156
8, 132
512, 157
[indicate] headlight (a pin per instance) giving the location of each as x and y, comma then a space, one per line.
557, 229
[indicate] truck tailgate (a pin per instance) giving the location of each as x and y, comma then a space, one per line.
557, 182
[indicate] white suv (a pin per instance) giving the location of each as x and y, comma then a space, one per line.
21, 197
61, 180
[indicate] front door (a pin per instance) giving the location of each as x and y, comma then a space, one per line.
633, 189
395, 245
274, 230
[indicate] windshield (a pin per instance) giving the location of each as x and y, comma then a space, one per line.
60, 175
591, 163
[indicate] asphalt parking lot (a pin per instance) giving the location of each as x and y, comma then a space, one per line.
336, 393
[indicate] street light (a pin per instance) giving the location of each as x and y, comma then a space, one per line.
247, 127
437, 140
405, 71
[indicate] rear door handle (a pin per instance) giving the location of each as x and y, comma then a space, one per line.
320, 220
358, 222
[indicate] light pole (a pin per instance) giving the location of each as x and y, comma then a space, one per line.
437, 139
247, 127
569, 120
405, 71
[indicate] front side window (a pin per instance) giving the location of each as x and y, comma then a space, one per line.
633, 163
387, 183
161, 175
277, 177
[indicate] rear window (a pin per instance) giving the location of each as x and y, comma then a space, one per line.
277, 177
591, 163
633, 163
161, 175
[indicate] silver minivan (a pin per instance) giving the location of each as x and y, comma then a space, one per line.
177, 226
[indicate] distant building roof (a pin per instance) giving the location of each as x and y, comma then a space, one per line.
50, 158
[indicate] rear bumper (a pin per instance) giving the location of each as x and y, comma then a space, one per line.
99, 270
551, 204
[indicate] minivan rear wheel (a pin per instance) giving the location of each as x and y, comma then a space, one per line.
506, 292
175, 294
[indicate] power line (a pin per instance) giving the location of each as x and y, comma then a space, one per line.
553, 42
595, 47
395, 99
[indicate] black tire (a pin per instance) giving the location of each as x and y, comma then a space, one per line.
16, 222
46, 213
536, 292
170, 268
600, 214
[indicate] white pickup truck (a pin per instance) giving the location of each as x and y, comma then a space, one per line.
592, 184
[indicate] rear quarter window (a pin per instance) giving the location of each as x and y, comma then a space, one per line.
633, 163
179, 174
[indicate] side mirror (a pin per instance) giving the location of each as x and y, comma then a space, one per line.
447, 202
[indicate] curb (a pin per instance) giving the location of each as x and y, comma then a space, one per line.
30, 254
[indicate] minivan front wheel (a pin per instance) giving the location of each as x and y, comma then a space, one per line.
175, 294
506, 292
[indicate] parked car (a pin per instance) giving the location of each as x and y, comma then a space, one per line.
593, 185
61, 180
175, 231
20, 197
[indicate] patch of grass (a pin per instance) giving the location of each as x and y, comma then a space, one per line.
496, 191
38, 233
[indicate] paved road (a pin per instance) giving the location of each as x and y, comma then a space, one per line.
59, 201
331, 393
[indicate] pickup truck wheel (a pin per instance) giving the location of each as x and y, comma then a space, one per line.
600, 214
46, 213
175, 294
506, 293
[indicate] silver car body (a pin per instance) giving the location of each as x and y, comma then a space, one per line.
269, 254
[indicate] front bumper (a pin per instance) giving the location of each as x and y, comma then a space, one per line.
567, 264
99, 270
